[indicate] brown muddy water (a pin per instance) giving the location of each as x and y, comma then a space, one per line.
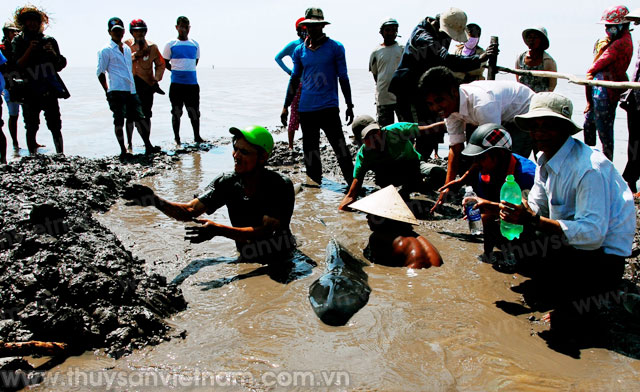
436, 329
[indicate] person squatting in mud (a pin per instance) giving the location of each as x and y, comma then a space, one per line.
260, 202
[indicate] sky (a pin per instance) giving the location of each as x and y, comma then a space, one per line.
248, 34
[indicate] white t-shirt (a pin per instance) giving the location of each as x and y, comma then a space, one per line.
487, 101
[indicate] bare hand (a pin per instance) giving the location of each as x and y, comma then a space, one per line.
284, 115
441, 199
139, 195
518, 214
349, 116
199, 234
451, 185
344, 206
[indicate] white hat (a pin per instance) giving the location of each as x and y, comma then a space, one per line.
386, 203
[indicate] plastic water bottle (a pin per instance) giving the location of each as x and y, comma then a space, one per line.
510, 192
473, 213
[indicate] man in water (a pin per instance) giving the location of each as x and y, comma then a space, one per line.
181, 57
115, 59
393, 241
146, 57
260, 202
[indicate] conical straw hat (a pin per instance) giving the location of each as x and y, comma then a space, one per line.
386, 203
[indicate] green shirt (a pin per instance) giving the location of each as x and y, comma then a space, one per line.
397, 145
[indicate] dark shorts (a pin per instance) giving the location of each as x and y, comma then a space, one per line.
187, 95
145, 94
123, 104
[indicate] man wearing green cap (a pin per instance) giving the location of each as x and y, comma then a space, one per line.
579, 202
260, 202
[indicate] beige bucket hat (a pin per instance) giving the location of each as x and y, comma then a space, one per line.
453, 22
548, 104
386, 203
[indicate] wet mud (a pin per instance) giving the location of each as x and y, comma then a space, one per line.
64, 277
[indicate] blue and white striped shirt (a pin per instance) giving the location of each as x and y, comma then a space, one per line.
182, 56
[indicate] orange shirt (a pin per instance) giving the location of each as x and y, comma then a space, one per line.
144, 60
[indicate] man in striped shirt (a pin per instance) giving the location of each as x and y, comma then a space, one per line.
181, 57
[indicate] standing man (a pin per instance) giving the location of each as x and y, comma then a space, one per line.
3, 139
383, 62
476, 103
146, 56
38, 60
181, 56
9, 32
115, 59
320, 63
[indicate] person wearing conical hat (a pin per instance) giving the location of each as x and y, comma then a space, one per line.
393, 241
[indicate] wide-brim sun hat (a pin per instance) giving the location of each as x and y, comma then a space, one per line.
543, 33
487, 137
314, 16
256, 135
614, 15
633, 16
453, 22
549, 105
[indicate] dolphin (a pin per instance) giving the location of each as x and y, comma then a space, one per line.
342, 290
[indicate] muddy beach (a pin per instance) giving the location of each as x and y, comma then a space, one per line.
425, 329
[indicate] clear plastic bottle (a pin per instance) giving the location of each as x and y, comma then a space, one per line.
510, 192
473, 213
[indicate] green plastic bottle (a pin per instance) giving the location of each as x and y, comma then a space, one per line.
510, 192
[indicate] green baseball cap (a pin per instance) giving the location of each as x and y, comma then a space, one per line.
256, 135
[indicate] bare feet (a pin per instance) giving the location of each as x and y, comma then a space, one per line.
199, 140
152, 149
178, 142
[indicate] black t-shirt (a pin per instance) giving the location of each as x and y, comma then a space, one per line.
274, 198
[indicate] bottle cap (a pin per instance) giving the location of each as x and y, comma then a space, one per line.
511, 178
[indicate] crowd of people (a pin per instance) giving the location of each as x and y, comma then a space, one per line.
577, 203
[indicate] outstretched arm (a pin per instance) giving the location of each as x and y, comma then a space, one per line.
210, 229
351, 195
144, 196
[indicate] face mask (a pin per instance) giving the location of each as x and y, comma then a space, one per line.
470, 46
612, 31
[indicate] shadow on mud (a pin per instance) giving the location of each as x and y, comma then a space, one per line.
596, 321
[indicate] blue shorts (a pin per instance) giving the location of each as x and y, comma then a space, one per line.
13, 108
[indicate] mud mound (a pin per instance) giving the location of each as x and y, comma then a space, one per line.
63, 276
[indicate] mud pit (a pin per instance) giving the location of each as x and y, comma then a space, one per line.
436, 329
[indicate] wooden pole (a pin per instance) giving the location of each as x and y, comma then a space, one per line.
572, 78
493, 61
31, 348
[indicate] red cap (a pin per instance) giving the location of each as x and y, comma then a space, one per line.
298, 23
137, 24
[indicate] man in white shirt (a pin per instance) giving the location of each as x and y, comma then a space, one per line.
476, 103
579, 201
382, 64
115, 59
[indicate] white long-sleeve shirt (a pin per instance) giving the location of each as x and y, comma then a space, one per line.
487, 101
119, 67
582, 190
